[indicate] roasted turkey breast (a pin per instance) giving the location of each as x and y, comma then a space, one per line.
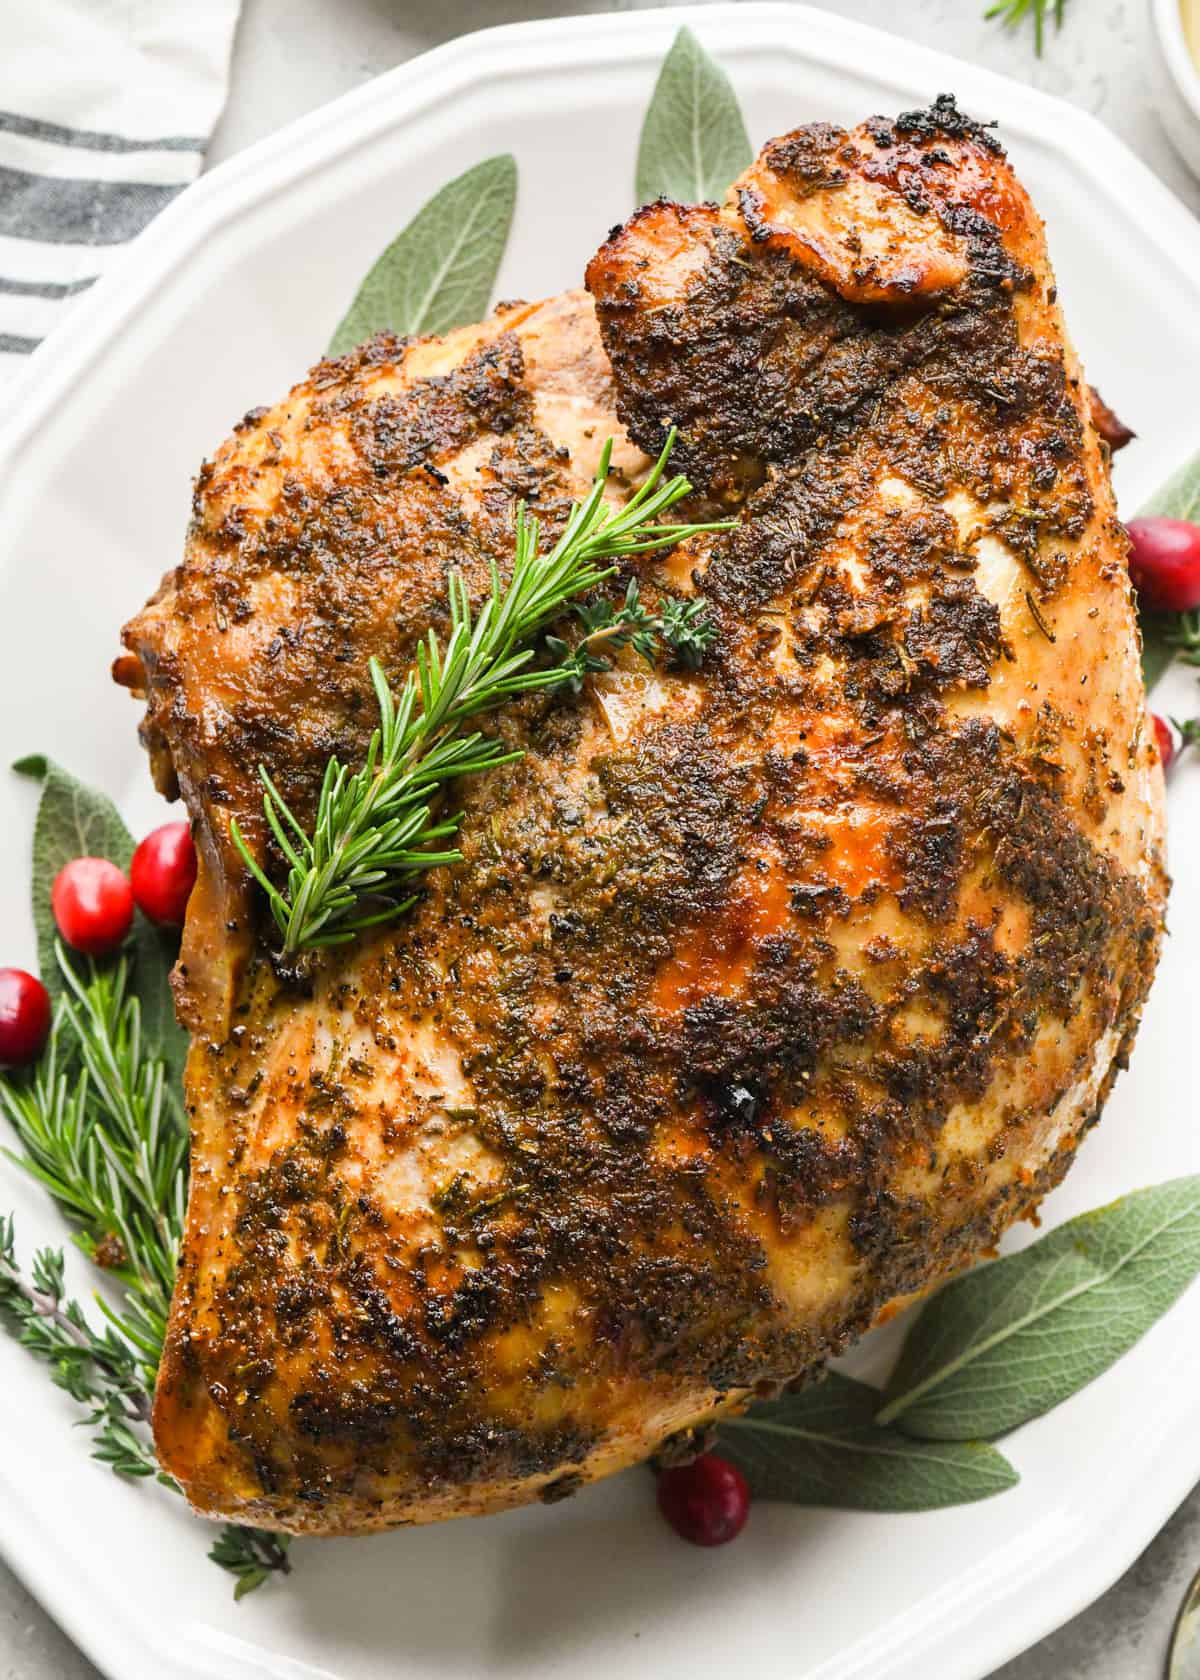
762, 996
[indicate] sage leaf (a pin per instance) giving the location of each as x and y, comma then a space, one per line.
693, 142
823, 1447
1158, 651
439, 272
154, 953
1179, 498
1010, 1340
74, 820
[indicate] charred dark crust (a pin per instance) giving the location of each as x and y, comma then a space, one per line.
942, 118
764, 369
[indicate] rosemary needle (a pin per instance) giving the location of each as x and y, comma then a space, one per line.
378, 827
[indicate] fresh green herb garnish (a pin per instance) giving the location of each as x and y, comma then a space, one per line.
1014, 12
693, 142
251, 1555
823, 1446
103, 1131
992, 1350
99, 1371
683, 628
1012, 1339
439, 272
378, 827
100, 1125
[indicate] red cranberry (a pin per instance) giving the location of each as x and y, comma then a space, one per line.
163, 873
706, 1502
93, 905
24, 1017
1164, 563
1164, 739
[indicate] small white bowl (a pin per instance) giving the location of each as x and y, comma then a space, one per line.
1176, 81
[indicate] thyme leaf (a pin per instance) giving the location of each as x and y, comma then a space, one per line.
251, 1555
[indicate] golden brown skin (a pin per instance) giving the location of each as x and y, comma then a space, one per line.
763, 996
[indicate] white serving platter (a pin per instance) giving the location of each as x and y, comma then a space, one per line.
221, 305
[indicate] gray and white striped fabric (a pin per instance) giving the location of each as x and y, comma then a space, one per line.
106, 107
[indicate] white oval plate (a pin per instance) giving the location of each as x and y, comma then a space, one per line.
221, 305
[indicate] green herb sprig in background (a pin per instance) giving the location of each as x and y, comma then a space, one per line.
100, 1370
823, 1446
378, 827
1012, 13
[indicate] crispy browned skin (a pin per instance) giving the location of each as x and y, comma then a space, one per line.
762, 996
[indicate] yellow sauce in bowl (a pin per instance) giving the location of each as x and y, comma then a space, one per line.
1189, 12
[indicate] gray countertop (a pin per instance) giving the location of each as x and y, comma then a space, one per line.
291, 55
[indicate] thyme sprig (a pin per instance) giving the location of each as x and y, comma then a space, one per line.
100, 1370
378, 827
681, 627
251, 1555
1014, 12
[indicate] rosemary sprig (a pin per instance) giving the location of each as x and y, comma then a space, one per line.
1014, 12
102, 1131
378, 827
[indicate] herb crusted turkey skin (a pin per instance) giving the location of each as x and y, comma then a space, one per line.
764, 995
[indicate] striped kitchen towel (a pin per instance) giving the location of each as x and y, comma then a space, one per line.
106, 107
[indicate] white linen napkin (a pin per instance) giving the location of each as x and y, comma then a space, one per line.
106, 107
